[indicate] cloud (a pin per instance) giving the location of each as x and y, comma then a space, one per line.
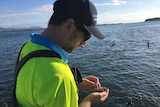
17, 15
111, 18
11, 17
112, 3
32, 12
43, 9
118, 2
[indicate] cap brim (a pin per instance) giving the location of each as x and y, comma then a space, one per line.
95, 31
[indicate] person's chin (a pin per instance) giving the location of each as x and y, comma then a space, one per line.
68, 50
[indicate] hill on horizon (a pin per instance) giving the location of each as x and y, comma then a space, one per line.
153, 19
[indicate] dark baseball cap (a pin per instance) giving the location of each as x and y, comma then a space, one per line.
82, 11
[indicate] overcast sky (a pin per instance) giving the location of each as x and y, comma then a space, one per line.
27, 13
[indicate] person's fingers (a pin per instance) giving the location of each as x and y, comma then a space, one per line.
93, 78
104, 94
99, 86
89, 84
97, 97
92, 84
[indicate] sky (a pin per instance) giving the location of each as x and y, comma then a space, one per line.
30, 13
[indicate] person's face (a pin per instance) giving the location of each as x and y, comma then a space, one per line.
76, 39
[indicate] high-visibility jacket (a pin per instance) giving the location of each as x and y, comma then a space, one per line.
45, 82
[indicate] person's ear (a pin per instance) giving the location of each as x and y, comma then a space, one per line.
70, 25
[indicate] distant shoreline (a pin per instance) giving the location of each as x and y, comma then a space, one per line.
19, 30
40, 28
153, 19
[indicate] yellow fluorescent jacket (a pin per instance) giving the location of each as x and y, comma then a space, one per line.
45, 82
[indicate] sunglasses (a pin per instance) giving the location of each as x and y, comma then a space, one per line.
86, 33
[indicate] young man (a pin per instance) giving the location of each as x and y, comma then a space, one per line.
48, 81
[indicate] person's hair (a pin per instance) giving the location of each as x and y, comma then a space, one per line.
57, 19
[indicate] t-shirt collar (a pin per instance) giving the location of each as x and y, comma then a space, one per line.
37, 39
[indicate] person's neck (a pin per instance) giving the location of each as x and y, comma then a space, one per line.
53, 33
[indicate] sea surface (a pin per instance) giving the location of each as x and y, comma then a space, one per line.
127, 61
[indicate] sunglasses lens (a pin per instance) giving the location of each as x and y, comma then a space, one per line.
86, 33
87, 37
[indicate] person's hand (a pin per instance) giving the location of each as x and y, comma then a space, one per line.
90, 82
95, 97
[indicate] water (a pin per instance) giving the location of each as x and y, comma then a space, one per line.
123, 61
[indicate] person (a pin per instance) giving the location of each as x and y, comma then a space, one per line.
48, 81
